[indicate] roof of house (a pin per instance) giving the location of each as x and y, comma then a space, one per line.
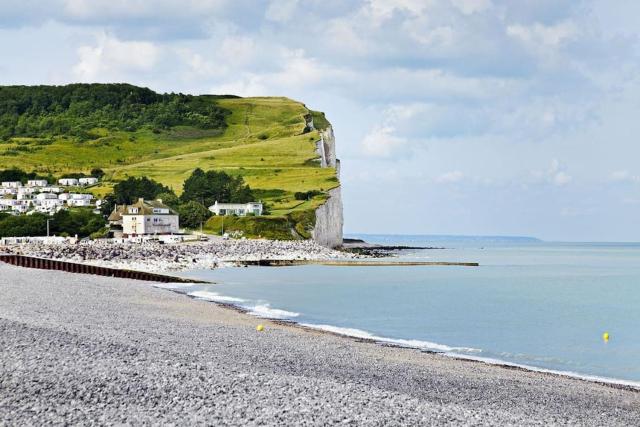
116, 215
219, 204
145, 207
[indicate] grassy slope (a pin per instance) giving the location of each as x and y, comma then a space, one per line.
263, 142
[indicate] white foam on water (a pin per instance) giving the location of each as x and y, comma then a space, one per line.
176, 285
264, 310
358, 333
213, 296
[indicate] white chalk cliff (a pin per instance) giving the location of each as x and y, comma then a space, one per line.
329, 220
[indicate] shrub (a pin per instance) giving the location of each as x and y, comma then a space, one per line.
307, 195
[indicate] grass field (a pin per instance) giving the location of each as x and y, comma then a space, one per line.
264, 142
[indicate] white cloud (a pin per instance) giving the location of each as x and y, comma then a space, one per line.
450, 177
344, 37
382, 10
110, 57
544, 35
248, 85
295, 72
562, 178
128, 9
624, 176
555, 175
442, 37
472, 6
281, 10
381, 142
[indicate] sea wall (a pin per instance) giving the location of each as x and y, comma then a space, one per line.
329, 218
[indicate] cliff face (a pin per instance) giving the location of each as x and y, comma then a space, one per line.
329, 219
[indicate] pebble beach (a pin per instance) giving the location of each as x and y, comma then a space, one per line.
78, 349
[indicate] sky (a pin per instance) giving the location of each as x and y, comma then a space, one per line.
481, 117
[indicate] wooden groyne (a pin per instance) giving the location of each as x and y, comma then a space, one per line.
284, 263
71, 267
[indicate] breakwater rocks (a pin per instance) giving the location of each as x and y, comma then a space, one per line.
154, 256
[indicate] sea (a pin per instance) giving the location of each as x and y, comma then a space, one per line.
539, 305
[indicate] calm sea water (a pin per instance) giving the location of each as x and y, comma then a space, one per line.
543, 305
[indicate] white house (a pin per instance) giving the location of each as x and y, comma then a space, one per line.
50, 190
23, 208
69, 182
18, 206
81, 196
239, 209
49, 205
145, 217
24, 196
8, 204
79, 202
75, 199
37, 183
26, 190
11, 184
88, 181
46, 196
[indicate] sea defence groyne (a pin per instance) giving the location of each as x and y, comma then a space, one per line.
71, 267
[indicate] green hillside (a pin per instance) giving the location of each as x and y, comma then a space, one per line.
264, 140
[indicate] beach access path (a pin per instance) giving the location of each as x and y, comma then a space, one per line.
85, 349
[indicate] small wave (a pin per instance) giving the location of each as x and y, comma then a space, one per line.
173, 285
422, 345
213, 296
263, 310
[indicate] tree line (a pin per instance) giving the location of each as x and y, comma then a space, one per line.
17, 174
79, 221
46, 111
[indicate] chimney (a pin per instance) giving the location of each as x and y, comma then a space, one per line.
140, 200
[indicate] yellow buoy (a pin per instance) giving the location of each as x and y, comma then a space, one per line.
605, 336
259, 328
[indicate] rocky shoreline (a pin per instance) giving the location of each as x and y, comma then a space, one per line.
154, 256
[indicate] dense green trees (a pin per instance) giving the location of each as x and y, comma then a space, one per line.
108, 204
82, 222
19, 175
207, 187
131, 189
23, 225
193, 214
97, 173
169, 199
45, 111
307, 195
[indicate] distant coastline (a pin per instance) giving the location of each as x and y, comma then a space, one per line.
370, 237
